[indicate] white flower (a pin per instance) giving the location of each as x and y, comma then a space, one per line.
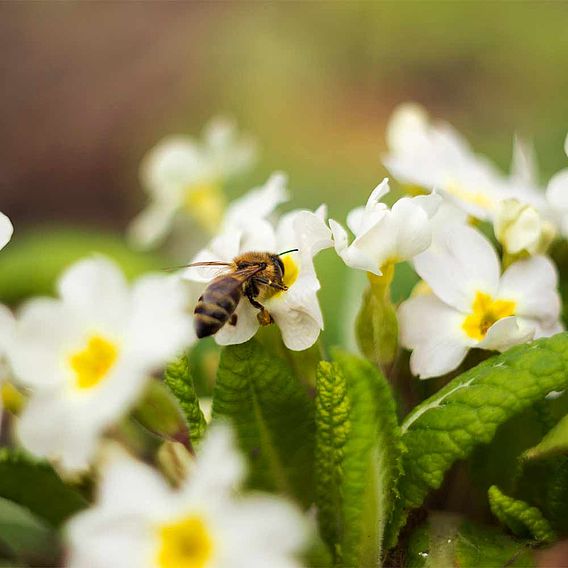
87, 355
521, 229
139, 521
384, 235
185, 176
472, 305
557, 195
296, 311
7, 322
436, 156
6, 230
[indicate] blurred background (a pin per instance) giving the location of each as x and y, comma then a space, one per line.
88, 88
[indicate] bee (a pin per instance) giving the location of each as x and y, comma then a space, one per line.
255, 275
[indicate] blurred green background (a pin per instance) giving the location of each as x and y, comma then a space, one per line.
89, 87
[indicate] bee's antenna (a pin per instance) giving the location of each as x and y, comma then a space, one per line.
287, 251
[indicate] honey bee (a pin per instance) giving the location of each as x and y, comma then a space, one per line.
255, 275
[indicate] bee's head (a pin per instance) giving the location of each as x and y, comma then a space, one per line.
278, 261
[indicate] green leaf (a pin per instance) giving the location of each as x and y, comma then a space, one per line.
273, 417
449, 425
447, 541
32, 262
520, 517
178, 379
554, 442
357, 458
36, 486
25, 536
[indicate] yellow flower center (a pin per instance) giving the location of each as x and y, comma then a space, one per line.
205, 202
92, 364
474, 197
291, 270
185, 544
485, 312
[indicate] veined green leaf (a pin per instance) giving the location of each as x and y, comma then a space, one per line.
273, 417
447, 541
36, 486
449, 425
520, 517
32, 262
554, 442
357, 458
178, 379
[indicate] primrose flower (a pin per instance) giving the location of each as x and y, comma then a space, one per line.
557, 196
87, 355
6, 230
472, 305
426, 155
184, 177
296, 310
139, 521
386, 236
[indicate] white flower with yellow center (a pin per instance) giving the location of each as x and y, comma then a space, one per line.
296, 310
557, 196
183, 176
386, 236
436, 156
87, 355
472, 305
139, 521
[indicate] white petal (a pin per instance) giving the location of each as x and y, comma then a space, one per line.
460, 262
557, 190
303, 229
44, 331
433, 331
532, 285
352, 256
152, 225
97, 289
505, 333
48, 427
378, 193
6, 230
174, 164
7, 328
407, 121
524, 168
247, 325
160, 325
259, 202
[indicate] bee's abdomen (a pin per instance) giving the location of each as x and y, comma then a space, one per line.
215, 306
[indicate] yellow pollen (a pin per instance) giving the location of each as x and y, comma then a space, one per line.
205, 202
474, 197
92, 364
185, 544
485, 312
291, 270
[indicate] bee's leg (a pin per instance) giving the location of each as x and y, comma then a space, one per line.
272, 284
263, 316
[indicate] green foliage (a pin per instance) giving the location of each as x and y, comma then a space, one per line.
178, 379
273, 417
357, 458
26, 537
520, 517
36, 486
32, 262
449, 425
446, 540
554, 442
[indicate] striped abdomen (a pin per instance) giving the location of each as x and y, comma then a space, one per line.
217, 304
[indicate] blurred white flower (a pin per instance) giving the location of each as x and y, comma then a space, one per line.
7, 323
6, 230
472, 305
183, 176
296, 311
521, 229
386, 236
87, 355
139, 521
436, 156
557, 195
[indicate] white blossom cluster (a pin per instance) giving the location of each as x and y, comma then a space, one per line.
84, 358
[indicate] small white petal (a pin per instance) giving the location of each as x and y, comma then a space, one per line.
352, 256
433, 331
524, 167
152, 225
557, 191
6, 230
247, 325
459, 263
532, 285
505, 333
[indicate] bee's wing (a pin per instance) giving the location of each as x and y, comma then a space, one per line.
196, 264
239, 277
